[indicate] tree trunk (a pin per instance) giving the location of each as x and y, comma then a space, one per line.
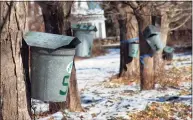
164, 29
73, 102
146, 67
55, 15
128, 30
14, 104
132, 32
56, 21
123, 47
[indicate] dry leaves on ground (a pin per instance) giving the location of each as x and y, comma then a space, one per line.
165, 111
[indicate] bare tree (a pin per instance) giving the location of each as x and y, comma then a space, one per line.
56, 19
172, 16
170, 13
128, 30
140, 10
137, 12
13, 84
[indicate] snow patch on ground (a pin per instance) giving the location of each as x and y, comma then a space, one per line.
39, 106
55, 116
102, 103
181, 60
92, 71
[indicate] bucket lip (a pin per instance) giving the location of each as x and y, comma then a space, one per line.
150, 29
83, 27
61, 48
168, 51
153, 37
66, 48
134, 43
43, 51
83, 32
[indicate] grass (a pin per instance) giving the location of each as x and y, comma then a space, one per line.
97, 49
172, 77
165, 78
126, 78
164, 111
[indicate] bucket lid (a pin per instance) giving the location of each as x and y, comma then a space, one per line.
84, 27
150, 30
50, 41
168, 49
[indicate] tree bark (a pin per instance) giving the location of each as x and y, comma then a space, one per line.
146, 69
14, 104
73, 102
132, 32
55, 15
128, 30
123, 47
56, 21
164, 29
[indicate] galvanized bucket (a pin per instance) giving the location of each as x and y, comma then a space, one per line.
50, 74
84, 49
51, 64
152, 36
133, 49
155, 42
168, 53
85, 33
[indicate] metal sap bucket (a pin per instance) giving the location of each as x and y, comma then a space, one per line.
133, 49
152, 36
85, 34
51, 64
168, 53
84, 49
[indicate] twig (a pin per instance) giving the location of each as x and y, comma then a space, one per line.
181, 24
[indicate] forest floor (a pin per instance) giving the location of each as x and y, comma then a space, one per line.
103, 99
